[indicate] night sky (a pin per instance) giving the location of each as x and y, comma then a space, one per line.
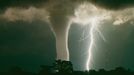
29, 44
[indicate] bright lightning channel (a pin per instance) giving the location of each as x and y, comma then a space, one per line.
88, 14
93, 27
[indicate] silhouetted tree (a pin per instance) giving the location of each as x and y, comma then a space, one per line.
63, 66
92, 72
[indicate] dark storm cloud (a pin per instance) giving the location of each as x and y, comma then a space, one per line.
21, 3
113, 4
61, 7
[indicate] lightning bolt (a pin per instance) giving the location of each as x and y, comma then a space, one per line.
88, 14
92, 29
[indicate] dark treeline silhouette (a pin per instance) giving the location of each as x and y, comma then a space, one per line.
66, 68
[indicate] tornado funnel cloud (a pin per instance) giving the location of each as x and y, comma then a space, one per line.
60, 12
62, 45
60, 26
